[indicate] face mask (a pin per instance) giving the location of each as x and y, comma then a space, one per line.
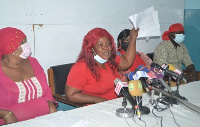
124, 45
179, 38
26, 51
98, 58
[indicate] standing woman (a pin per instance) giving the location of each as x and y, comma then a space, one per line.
24, 92
91, 79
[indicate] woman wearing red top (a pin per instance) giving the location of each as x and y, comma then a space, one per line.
123, 44
91, 79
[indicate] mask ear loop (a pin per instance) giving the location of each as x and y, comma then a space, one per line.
94, 53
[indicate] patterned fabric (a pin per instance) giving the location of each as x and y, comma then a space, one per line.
10, 39
166, 53
26, 99
29, 89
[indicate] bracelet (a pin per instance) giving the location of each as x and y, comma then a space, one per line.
7, 115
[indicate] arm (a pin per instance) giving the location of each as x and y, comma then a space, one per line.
190, 74
52, 108
127, 59
76, 96
8, 117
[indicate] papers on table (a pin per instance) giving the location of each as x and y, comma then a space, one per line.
61, 119
148, 23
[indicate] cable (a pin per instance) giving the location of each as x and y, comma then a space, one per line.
158, 117
125, 117
173, 117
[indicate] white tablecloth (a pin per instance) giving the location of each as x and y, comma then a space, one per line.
104, 114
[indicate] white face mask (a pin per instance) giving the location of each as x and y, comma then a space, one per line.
98, 58
179, 38
26, 51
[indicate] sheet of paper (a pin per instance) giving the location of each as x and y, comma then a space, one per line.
148, 23
61, 119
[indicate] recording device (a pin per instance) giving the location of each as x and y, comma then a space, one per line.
166, 71
136, 91
122, 89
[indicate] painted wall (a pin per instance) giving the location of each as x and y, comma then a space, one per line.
55, 29
192, 30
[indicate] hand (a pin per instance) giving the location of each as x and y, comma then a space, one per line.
11, 119
134, 33
192, 76
52, 107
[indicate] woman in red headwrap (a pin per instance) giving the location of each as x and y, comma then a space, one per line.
91, 79
172, 51
24, 92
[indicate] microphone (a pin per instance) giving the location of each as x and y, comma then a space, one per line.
172, 68
141, 73
122, 89
167, 71
136, 91
135, 88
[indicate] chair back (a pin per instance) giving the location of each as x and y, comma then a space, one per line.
59, 75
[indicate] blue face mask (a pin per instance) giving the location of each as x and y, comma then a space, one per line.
99, 59
179, 38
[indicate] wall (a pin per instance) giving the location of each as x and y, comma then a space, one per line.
55, 29
192, 30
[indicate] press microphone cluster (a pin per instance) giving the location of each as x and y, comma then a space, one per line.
167, 71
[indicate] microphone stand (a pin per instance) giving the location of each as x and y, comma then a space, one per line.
143, 109
176, 92
169, 81
124, 112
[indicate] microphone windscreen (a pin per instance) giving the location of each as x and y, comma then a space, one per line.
119, 85
130, 75
172, 68
157, 72
142, 68
135, 88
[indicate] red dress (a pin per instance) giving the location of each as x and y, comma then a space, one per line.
81, 78
26, 99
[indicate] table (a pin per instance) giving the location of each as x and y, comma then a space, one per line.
103, 114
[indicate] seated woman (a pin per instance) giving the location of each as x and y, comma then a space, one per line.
91, 79
123, 40
24, 92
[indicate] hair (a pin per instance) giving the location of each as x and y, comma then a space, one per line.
86, 53
122, 35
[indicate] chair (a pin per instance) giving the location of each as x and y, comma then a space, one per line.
57, 76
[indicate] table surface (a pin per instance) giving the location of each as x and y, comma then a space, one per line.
104, 114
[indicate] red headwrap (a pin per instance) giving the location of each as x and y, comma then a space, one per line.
172, 28
10, 39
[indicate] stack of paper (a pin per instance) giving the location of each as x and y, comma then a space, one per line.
148, 23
